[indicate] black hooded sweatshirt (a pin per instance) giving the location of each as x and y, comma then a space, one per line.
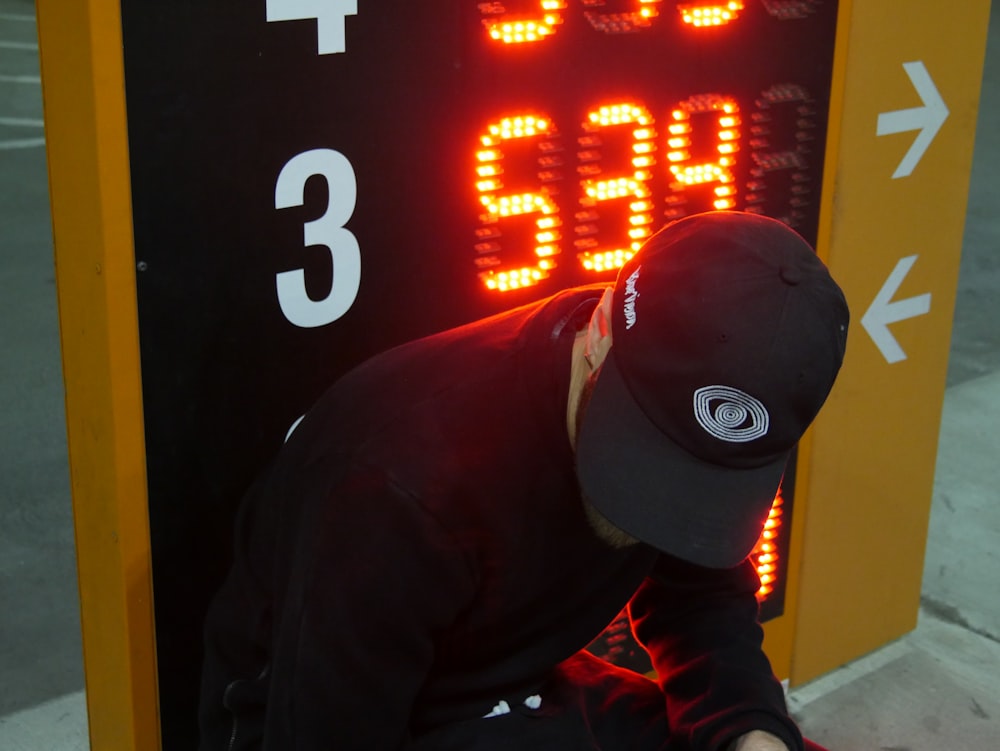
418, 551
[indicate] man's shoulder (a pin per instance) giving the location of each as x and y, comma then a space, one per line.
478, 351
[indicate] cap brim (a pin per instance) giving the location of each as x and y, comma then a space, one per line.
650, 487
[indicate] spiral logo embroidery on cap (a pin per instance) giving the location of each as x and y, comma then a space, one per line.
730, 414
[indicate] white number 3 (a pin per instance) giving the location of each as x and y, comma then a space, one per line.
328, 231
329, 14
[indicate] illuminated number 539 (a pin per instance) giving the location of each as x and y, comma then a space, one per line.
327, 231
699, 174
597, 249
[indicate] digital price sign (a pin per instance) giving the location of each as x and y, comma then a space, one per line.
313, 182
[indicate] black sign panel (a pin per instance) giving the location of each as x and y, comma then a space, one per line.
317, 180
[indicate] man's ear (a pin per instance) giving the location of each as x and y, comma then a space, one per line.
599, 331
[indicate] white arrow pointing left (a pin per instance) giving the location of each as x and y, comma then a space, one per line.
927, 119
884, 311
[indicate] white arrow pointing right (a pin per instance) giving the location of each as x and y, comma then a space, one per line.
884, 311
927, 119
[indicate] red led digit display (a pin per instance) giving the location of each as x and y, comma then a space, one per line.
598, 185
711, 125
623, 22
511, 28
716, 170
702, 145
711, 15
535, 206
768, 555
517, 28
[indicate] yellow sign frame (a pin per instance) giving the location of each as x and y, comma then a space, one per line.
837, 608
870, 462
89, 185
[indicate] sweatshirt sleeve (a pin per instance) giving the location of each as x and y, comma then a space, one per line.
373, 581
701, 630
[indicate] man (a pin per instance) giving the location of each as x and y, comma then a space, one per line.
456, 519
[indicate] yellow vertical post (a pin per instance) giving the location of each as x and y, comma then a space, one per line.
902, 127
865, 472
86, 134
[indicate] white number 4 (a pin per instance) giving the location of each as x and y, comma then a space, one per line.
329, 15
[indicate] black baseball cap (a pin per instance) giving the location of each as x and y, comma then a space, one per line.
727, 335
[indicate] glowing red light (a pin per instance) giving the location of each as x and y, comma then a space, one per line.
622, 23
517, 29
703, 139
500, 205
631, 187
686, 171
765, 554
710, 15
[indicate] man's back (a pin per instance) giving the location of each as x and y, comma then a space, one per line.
421, 540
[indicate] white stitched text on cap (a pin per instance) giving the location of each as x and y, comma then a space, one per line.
730, 414
630, 297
